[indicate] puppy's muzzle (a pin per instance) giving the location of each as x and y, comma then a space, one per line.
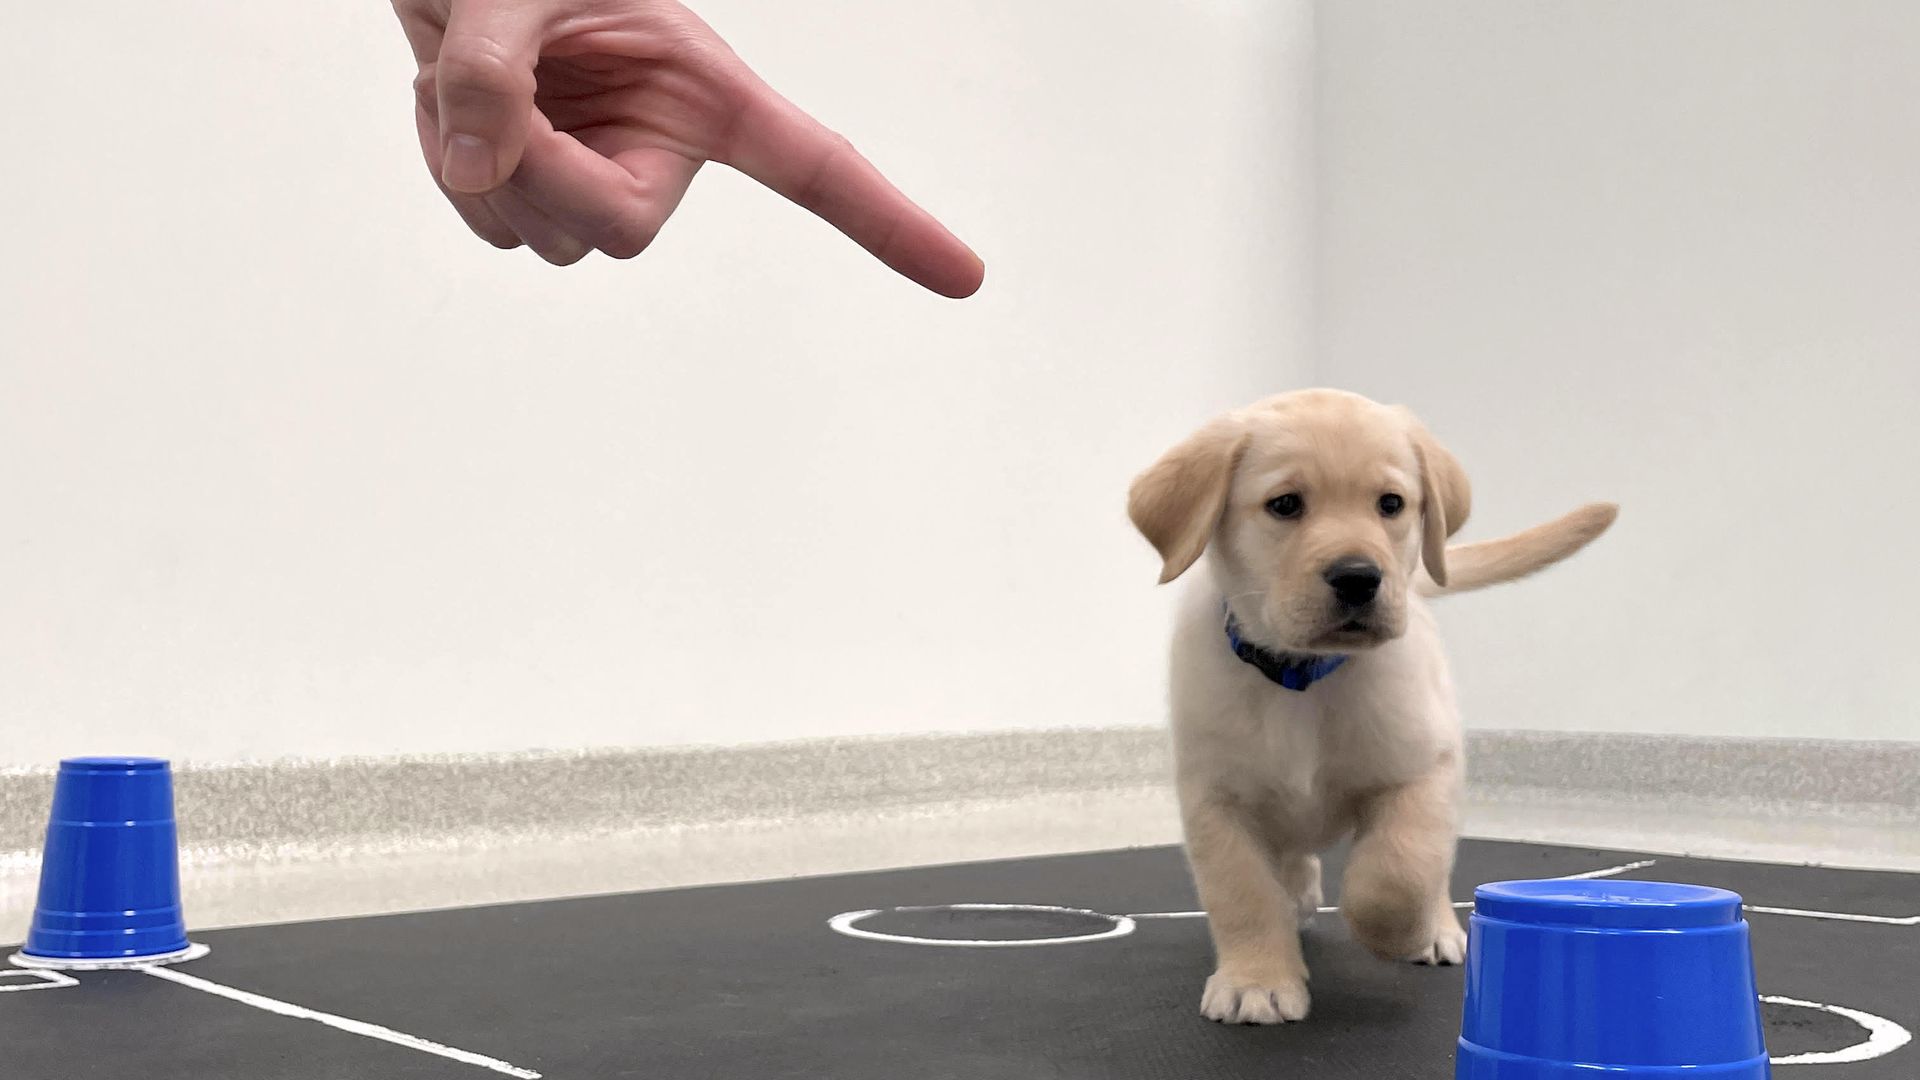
1355, 582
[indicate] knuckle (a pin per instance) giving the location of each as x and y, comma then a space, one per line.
563, 254
838, 147
626, 238
475, 66
814, 191
426, 86
482, 226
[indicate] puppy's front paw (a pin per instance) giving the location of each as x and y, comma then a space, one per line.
1449, 945
1271, 1000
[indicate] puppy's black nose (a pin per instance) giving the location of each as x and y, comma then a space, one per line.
1355, 581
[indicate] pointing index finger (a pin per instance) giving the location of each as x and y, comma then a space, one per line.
779, 145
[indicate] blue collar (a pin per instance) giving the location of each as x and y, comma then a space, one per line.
1295, 671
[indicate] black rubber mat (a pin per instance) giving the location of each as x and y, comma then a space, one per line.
749, 982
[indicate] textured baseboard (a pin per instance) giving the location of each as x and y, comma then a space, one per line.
357, 806
1816, 777
362, 805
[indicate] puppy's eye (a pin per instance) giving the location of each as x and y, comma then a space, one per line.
1390, 505
1286, 506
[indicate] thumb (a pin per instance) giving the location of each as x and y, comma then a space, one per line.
485, 84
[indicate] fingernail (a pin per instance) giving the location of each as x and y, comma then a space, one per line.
468, 164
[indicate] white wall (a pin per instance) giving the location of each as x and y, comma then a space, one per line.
290, 465
1667, 253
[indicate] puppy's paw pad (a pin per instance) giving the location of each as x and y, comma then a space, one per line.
1254, 1001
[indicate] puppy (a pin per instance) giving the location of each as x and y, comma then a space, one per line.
1310, 697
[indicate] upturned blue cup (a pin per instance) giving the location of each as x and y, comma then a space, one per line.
1609, 980
110, 879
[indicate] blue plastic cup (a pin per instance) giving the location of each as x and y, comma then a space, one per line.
1609, 980
110, 879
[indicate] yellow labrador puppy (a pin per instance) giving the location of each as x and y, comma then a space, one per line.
1311, 699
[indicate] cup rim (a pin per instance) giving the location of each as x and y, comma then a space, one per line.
1608, 903
112, 764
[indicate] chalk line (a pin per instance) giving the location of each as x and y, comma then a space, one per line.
1842, 916
846, 921
1883, 1035
1608, 871
36, 979
341, 1023
1458, 905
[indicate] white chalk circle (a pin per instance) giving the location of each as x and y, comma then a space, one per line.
1883, 1035
1118, 925
193, 951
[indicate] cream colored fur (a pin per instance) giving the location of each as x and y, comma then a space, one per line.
1270, 777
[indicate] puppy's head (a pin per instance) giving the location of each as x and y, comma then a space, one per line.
1317, 506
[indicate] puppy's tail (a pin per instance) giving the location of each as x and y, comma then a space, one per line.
1490, 562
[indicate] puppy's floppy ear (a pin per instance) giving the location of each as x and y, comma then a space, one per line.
1445, 497
1178, 502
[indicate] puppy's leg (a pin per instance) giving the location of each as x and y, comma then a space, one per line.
1261, 977
1395, 892
1300, 877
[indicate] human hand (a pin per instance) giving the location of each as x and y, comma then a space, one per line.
575, 125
